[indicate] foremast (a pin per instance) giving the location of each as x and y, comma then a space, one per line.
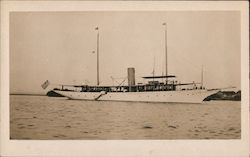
97, 56
166, 51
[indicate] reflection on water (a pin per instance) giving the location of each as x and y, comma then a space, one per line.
41, 117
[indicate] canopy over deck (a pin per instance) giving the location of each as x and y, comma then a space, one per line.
152, 77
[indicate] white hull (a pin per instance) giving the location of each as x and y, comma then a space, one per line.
185, 96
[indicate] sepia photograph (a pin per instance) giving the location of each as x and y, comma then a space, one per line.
125, 75
124, 79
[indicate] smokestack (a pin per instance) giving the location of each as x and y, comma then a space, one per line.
131, 77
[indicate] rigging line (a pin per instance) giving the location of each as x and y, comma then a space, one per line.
119, 83
186, 60
122, 82
115, 81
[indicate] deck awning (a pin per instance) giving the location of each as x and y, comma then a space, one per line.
155, 77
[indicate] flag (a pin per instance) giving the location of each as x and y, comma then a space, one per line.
164, 24
96, 28
45, 84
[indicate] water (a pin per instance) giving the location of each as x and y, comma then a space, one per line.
41, 117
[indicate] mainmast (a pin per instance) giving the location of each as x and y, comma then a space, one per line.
166, 51
97, 55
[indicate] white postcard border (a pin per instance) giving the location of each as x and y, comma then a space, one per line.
123, 147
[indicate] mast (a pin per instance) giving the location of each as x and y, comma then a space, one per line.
202, 76
166, 51
154, 69
97, 55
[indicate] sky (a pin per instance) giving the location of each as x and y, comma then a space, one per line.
58, 46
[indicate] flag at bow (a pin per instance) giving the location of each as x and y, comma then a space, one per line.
45, 84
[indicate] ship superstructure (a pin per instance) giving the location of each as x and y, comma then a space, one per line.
153, 91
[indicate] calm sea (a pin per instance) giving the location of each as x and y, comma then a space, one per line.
41, 117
